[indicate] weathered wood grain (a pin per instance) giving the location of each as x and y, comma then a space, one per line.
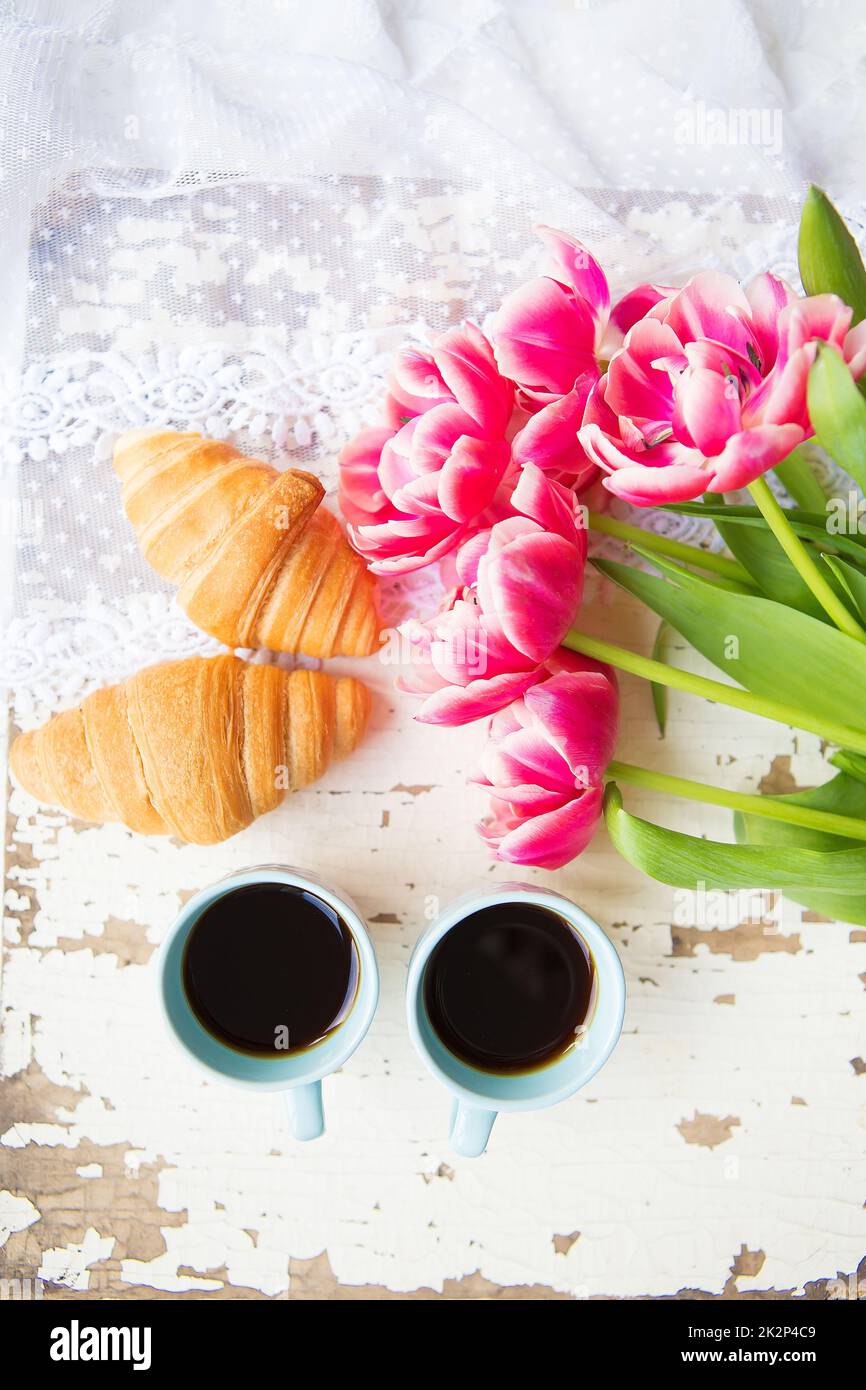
719, 1154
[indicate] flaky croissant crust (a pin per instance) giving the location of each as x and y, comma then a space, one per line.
195, 748
257, 561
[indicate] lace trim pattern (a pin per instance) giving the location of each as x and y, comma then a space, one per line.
325, 386
267, 314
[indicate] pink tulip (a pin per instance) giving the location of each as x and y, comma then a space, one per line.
547, 337
414, 488
456, 431
549, 437
545, 761
709, 388
549, 333
521, 585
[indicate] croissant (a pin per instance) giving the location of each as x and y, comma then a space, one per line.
195, 748
258, 562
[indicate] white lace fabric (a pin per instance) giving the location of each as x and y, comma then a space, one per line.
226, 219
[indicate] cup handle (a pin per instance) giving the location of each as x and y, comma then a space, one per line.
470, 1129
304, 1106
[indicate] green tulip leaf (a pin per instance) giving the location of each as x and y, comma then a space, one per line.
771, 650
674, 567
796, 476
852, 763
660, 692
843, 795
838, 530
684, 861
830, 262
760, 553
851, 579
837, 411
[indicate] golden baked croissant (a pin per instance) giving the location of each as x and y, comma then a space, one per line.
196, 748
258, 562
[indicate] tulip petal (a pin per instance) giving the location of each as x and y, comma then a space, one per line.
505, 721
822, 316
460, 656
718, 357
565, 660
457, 704
634, 385
361, 495
597, 411
523, 799
652, 487
526, 756
469, 556
534, 587
602, 449
392, 549
395, 470
638, 302
710, 408
855, 349
549, 504
579, 269
781, 398
465, 360
401, 406
419, 496
416, 373
711, 306
544, 338
749, 454
549, 438
434, 434
767, 296
579, 717
470, 476
549, 841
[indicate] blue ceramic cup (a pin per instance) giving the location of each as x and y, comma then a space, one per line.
299, 1074
478, 1096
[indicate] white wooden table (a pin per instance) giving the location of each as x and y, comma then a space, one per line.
720, 1150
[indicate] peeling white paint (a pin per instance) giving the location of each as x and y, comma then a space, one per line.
654, 1212
16, 1214
68, 1265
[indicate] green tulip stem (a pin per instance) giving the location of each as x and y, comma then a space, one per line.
767, 806
677, 679
803, 562
664, 545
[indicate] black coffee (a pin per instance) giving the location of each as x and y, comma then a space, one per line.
270, 970
508, 988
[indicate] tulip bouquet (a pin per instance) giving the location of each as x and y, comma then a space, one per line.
491, 445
